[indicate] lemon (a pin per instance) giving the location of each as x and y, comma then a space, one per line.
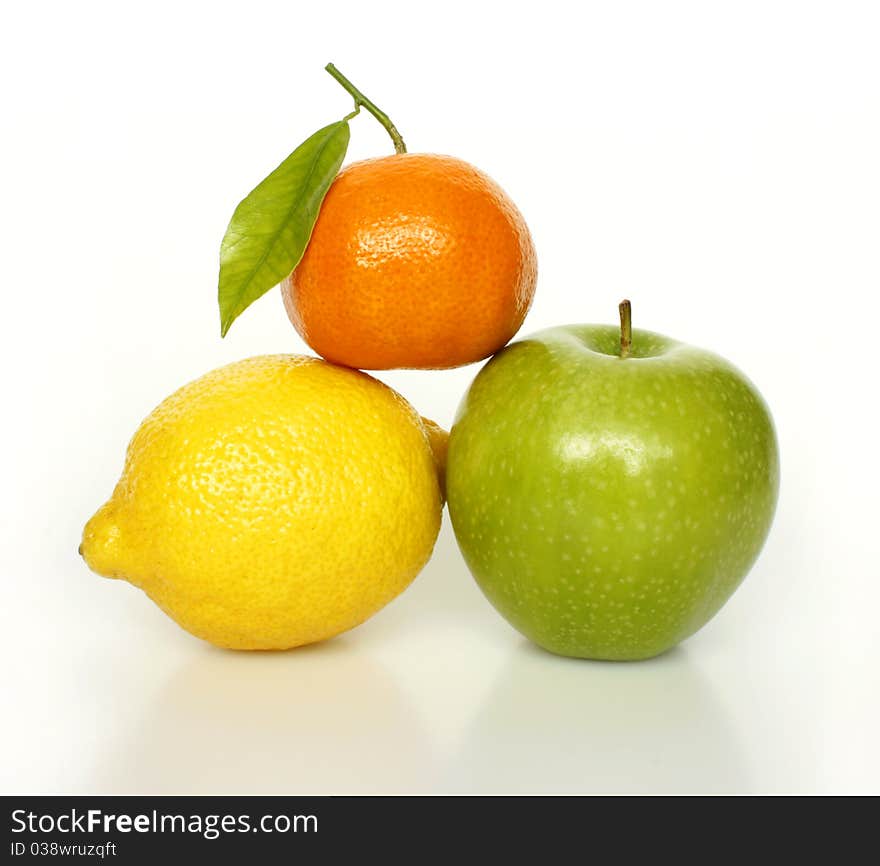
274, 502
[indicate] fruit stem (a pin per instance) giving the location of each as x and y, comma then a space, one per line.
361, 100
626, 336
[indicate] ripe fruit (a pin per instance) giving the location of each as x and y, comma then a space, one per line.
273, 502
439, 440
416, 260
608, 506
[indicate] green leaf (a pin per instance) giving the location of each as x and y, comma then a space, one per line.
271, 227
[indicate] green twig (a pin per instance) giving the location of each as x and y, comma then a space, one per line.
361, 101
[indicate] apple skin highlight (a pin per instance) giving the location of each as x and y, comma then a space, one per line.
609, 506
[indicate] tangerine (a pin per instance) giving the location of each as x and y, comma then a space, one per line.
416, 260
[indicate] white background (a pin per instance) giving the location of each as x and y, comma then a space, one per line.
719, 163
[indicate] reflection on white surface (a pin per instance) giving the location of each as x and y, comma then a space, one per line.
436, 695
330, 720
554, 725
320, 720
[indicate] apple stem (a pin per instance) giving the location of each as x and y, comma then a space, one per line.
626, 337
361, 100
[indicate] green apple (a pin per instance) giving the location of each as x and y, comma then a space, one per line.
610, 488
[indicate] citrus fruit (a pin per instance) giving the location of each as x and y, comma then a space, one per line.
439, 440
415, 260
273, 502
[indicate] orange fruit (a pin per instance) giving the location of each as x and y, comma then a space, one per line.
416, 260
